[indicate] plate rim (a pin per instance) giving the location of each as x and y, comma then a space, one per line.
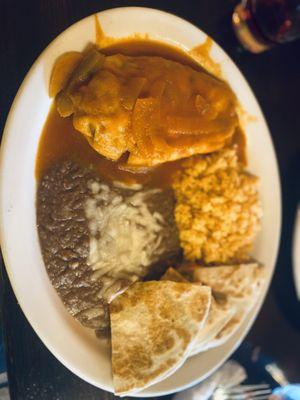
8, 268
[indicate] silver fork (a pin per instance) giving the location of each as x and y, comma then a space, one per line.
243, 392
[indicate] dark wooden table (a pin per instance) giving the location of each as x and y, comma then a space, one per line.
26, 28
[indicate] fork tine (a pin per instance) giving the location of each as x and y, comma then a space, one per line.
244, 392
246, 388
246, 396
240, 396
258, 392
247, 392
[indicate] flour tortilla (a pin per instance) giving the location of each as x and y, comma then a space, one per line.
187, 270
153, 328
218, 317
229, 329
238, 281
173, 275
239, 287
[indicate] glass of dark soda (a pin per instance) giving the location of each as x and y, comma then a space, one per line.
262, 24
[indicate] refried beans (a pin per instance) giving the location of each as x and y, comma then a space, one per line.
70, 230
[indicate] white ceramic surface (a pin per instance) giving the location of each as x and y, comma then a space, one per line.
76, 347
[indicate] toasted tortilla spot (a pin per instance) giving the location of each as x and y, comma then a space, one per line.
153, 329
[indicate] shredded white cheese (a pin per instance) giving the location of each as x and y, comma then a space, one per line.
124, 235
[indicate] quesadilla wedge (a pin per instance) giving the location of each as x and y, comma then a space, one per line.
153, 328
237, 287
229, 328
218, 318
173, 275
238, 281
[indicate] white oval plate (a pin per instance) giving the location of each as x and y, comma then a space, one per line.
77, 347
